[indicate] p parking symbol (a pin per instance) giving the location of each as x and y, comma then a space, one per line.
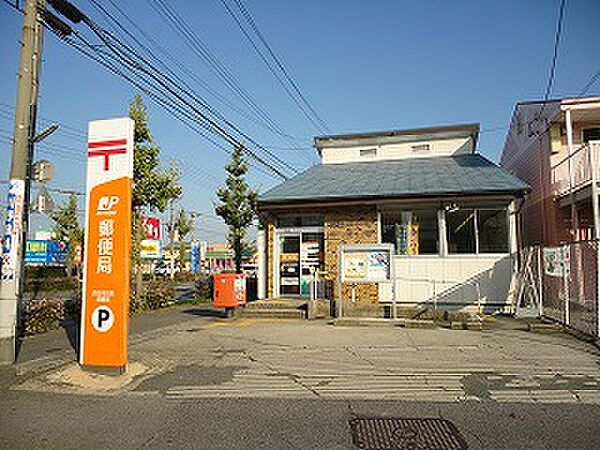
103, 319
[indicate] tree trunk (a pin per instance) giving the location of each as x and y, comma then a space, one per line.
237, 252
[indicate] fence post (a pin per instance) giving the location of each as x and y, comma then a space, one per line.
540, 284
565, 287
596, 210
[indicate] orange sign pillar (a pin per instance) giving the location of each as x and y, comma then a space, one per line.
104, 315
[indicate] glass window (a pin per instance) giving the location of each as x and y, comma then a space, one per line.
460, 226
477, 231
288, 221
591, 134
493, 231
290, 244
412, 232
312, 220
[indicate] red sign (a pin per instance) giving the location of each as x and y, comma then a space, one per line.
152, 227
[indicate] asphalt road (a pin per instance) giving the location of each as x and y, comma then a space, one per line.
259, 384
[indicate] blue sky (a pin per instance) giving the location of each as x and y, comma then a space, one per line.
364, 66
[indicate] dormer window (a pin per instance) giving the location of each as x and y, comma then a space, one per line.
368, 152
421, 147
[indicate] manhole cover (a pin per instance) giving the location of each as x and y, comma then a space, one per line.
406, 434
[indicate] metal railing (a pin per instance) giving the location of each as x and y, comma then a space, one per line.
579, 164
562, 282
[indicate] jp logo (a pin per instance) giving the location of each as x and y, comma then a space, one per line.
103, 319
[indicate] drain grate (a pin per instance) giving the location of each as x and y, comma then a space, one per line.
406, 434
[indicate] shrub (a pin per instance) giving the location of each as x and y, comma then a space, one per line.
204, 287
40, 316
157, 295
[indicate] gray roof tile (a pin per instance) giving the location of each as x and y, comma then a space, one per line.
414, 177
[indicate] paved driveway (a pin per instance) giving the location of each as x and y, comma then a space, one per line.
505, 388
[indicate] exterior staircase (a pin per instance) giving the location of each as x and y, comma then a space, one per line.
279, 308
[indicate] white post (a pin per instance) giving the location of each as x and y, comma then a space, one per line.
566, 288
513, 247
540, 275
574, 220
393, 277
441, 215
261, 269
596, 208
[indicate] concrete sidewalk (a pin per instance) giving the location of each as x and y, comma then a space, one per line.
192, 371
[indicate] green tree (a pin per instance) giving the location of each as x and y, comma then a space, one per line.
183, 227
66, 228
237, 202
153, 187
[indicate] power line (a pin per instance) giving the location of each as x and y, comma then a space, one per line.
590, 83
554, 58
301, 101
122, 54
249, 116
89, 52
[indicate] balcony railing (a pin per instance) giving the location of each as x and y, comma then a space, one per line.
580, 162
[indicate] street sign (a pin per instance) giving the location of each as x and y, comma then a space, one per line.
108, 243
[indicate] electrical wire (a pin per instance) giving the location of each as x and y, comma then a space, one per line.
123, 54
299, 99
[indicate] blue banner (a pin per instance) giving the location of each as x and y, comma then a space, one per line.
47, 253
195, 255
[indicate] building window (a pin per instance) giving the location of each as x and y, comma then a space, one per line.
413, 232
460, 225
368, 152
493, 231
308, 220
421, 147
591, 134
471, 231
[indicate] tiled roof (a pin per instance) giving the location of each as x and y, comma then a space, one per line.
465, 174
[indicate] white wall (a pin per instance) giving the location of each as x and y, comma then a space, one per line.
442, 147
454, 275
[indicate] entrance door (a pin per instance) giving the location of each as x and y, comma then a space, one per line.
311, 259
289, 264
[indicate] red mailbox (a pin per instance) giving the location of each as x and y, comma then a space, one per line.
229, 290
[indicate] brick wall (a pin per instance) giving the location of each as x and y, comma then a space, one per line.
349, 225
343, 225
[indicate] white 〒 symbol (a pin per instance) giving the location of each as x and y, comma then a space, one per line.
107, 202
103, 319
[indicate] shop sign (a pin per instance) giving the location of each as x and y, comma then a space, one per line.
104, 314
152, 228
150, 249
46, 252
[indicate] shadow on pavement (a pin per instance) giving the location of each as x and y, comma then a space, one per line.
71, 327
207, 311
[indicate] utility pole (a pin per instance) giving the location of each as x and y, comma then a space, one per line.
17, 220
